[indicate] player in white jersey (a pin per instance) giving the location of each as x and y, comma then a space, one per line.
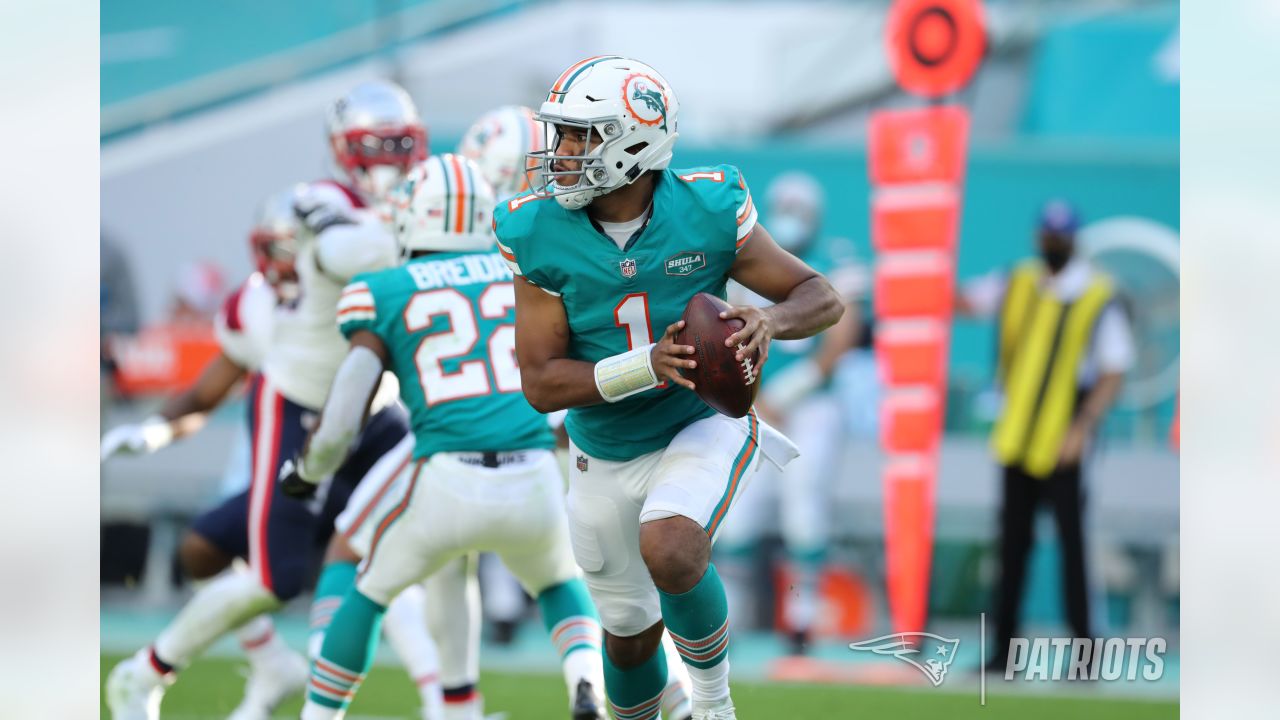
375, 134
243, 329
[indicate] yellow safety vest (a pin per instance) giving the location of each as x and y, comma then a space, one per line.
1042, 343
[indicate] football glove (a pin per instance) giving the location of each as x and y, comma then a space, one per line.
134, 439
292, 482
318, 213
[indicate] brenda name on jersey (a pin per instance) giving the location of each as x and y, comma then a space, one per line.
459, 271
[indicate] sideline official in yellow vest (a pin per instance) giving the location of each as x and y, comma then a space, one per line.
1064, 347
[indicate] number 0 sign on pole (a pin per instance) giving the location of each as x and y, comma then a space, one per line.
916, 162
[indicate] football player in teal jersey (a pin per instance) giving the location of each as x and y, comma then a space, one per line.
482, 476
608, 248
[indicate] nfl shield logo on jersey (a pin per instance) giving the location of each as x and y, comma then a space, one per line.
628, 268
582, 463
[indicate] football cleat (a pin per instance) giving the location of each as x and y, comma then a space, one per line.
135, 689
270, 684
587, 703
722, 710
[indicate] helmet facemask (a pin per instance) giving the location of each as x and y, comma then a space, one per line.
590, 179
376, 135
601, 169
275, 253
273, 242
377, 161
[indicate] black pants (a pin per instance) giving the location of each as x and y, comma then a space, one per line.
1022, 497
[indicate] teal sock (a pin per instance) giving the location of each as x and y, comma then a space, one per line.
347, 653
698, 622
636, 693
336, 578
570, 617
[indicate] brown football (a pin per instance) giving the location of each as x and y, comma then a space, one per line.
720, 380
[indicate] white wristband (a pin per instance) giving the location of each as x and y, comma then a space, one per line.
623, 375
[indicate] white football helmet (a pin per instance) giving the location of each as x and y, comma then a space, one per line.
627, 106
376, 135
444, 204
794, 203
500, 143
274, 242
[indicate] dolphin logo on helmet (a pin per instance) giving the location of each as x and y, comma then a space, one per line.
648, 92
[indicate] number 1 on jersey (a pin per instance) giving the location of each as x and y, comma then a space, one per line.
632, 314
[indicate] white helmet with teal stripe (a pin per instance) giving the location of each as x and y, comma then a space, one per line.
444, 204
627, 112
500, 143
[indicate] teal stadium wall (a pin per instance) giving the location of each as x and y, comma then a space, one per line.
1004, 188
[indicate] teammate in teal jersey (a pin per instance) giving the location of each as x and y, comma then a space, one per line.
797, 395
483, 475
609, 247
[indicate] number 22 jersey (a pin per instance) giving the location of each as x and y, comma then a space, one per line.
617, 299
448, 322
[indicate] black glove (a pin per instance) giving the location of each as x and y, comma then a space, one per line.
293, 484
317, 214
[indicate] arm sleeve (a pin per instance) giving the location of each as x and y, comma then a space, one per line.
353, 385
1113, 347
344, 251
357, 310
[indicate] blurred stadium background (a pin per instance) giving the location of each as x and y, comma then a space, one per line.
207, 107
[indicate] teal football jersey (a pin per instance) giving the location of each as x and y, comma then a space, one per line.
448, 321
618, 299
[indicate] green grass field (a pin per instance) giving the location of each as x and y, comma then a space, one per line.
211, 688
